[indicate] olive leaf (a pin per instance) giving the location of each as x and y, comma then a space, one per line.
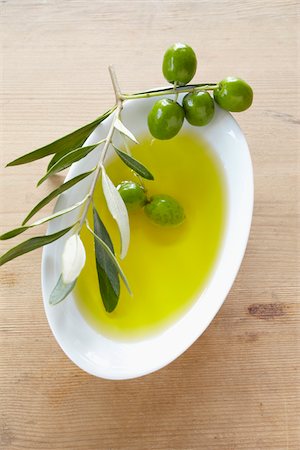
63, 145
117, 209
121, 127
68, 159
108, 251
32, 244
73, 258
135, 165
65, 186
109, 297
108, 277
58, 155
60, 291
19, 230
12, 233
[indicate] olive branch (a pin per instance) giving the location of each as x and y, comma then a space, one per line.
179, 67
66, 151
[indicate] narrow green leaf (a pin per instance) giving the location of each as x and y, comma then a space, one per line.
134, 164
58, 155
108, 276
60, 291
109, 298
112, 257
32, 244
16, 231
63, 145
68, 159
12, 233
55, 193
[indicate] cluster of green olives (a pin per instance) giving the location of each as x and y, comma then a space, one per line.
166, 119
161, 209
179, 66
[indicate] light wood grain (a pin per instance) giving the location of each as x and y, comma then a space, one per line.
237, 387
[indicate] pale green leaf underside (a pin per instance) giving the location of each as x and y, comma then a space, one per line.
60, 291
118, 210
17, 231
121, 127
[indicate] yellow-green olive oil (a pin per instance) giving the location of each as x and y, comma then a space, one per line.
167, 267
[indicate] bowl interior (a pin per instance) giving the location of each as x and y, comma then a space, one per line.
112, 359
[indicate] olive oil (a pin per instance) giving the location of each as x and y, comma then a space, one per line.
167, 267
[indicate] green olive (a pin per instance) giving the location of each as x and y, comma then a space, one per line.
164, 210
233, 94
199, 108
165, 119
133, 194
179, 64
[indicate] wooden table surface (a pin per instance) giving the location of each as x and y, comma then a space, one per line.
237, 387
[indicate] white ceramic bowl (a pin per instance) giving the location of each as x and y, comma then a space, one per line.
107, 358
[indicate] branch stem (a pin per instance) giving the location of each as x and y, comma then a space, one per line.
172, 90
107, 143
115, 84
175, 92
99, 167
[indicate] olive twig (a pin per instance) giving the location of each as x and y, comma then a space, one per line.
175, 91
106, 144
116, 86
178, 90
99, 167
120, 101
